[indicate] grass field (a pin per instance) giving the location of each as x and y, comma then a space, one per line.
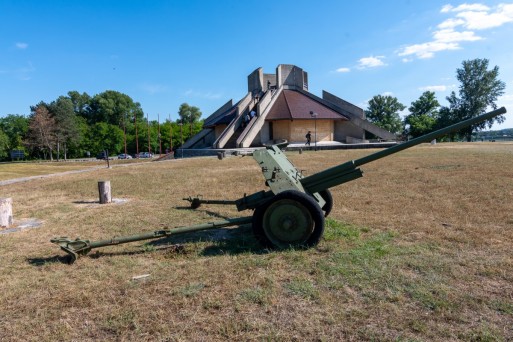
419, 249
30, 169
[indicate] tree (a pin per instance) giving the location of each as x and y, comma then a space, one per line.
423, 115
384, 112
479, 89
4, 145
41, 131
113, 108
15, 127
80, 102
66, 130
103, 136
189, 115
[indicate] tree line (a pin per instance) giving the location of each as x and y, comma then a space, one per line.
478, 91
78, 125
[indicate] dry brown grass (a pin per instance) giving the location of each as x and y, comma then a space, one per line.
29, 169
418, 249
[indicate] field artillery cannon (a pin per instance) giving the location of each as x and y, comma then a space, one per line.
292, 211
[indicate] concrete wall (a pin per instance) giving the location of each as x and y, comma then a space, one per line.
271, 78
299, 128
205, 138
291, 75
351, 108
281, 129
295, 130
256, 81
218, 112
344, 129
218, 130
265, 134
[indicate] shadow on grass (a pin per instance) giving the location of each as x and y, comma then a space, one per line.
221, 241
50, 260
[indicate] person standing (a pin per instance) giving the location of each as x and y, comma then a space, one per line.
308, 137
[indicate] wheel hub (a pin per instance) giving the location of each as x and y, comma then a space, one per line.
287, 222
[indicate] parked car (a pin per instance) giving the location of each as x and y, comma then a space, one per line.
102, 155
145, 155
124, 156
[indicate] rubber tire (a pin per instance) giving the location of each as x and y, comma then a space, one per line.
328, 198
303, 199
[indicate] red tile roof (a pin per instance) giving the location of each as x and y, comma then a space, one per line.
292, 105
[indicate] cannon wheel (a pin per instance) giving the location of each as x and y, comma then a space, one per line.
290, 218
326, 196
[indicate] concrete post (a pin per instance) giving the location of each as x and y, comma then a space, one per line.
105, 192
6, 218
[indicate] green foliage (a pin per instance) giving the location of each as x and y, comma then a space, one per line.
4, 144
188, 113
479, 90
384, 112
103, 136
75, 124
423, 115
15, 127
80, 102
67, 123
113, 108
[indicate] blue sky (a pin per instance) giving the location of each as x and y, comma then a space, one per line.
164, 53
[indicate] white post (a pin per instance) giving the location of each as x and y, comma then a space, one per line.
105, 192
6, 212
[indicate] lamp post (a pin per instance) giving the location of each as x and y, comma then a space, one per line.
160, 137
314, 116
170, 134
181, 136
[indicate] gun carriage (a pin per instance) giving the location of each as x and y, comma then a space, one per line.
292, 211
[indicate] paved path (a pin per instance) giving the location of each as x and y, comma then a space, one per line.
26, 179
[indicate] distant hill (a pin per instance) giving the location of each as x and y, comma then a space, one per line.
503, 134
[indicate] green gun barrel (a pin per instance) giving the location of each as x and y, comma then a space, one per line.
349, 171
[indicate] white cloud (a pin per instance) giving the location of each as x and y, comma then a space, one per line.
343, 70
446, 8
21, 46
506, 101
427, 50
208, 95
450, 36
434, 88
451, 23
153, 88
483, 20
471, 17
465, 7
370, 62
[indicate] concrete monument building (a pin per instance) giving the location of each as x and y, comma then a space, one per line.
279, 106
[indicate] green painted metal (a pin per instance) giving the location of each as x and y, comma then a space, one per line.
81, 247
287, 222
290, 212
349, 171
197, 201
